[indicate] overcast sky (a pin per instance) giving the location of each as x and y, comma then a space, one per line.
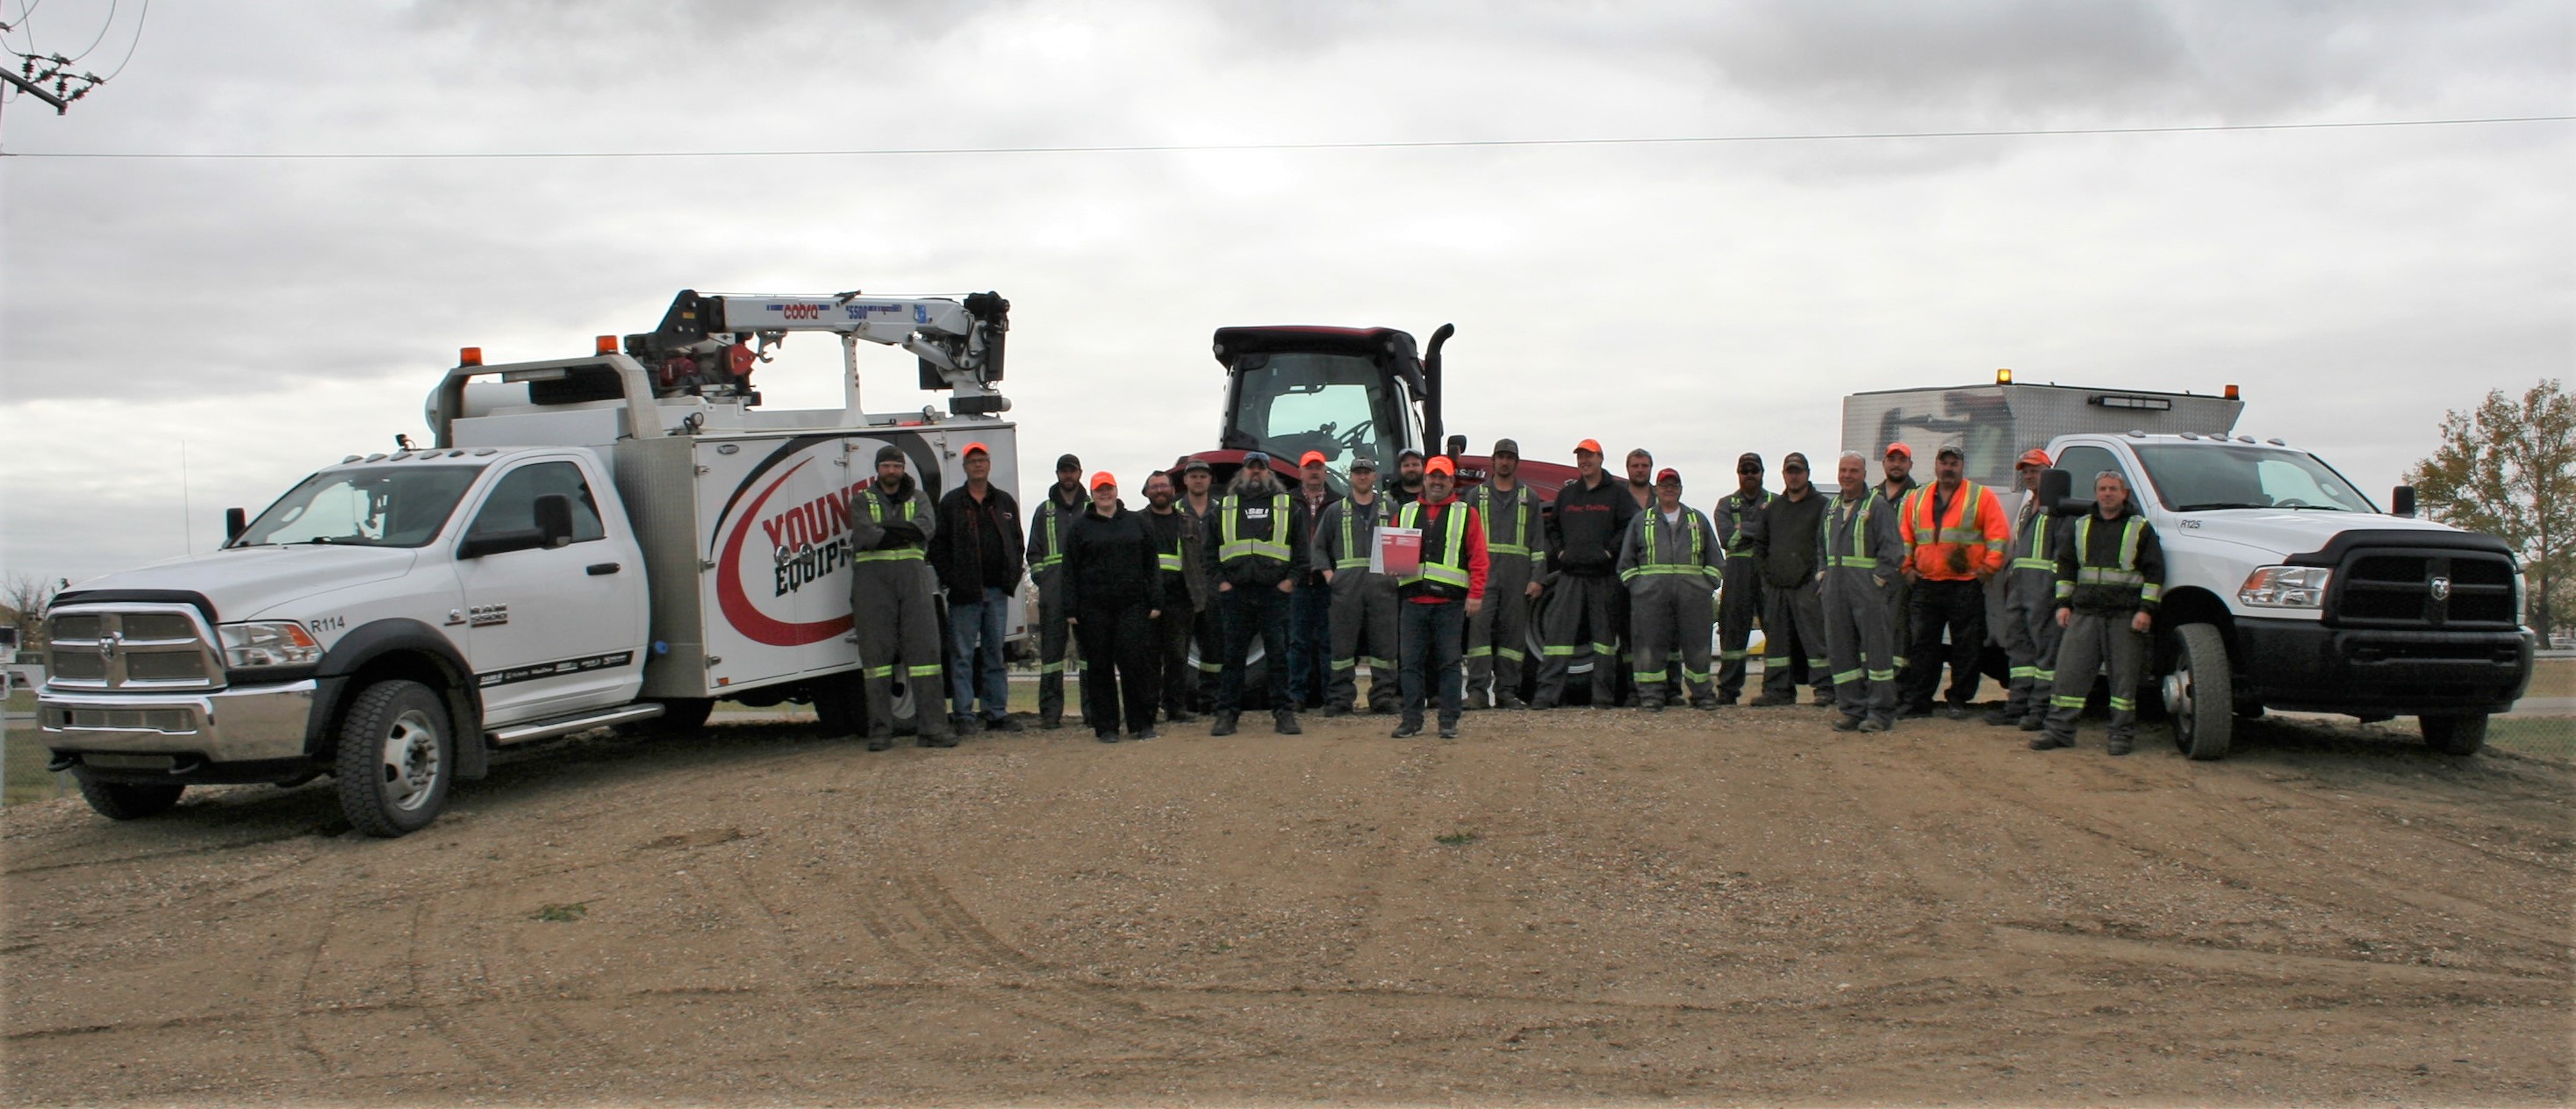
1697, 299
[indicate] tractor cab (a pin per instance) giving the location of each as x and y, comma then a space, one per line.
1339, 391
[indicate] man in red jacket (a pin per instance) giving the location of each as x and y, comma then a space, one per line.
1437, 597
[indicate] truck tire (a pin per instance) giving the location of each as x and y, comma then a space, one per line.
2199, 693
396, 756
2451, 735
123, 801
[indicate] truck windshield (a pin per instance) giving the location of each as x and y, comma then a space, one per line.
374, 506
1334, 403
2196, 477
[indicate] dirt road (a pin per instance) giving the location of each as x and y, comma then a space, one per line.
1566, 907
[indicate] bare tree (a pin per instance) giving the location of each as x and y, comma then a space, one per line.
27, 598
2509, 469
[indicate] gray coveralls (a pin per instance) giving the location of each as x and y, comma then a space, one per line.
2029, 629
1900, 599
1047, 529
1207, 631
1363, 614
890, 610
2106, 582
1739, 603
1863, 557
1515, 555
1671, 570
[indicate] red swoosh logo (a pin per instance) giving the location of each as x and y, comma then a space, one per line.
739, 610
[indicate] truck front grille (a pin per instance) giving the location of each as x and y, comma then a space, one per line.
2424, 589
160, 647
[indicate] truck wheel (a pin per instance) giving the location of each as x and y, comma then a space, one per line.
121, 801
2451, 735
2199, 693
396, 757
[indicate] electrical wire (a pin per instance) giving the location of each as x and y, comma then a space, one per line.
139, 19
103, 29
1182, 148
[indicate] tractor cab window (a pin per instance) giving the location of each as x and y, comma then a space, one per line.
1334, 403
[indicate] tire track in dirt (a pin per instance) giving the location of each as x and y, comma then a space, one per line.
2156, 842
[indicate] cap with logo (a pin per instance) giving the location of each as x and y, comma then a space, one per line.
1065, 462
1900, 448
1102, 478
1668, 474
1361, 462
1950, 450
1311, 458
1748, 458
1793, 461
1439, 464
1507, 446
1196, 465
976, 448
1593, 445
2033, 457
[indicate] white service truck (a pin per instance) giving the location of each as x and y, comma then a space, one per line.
2285, 587
617, 539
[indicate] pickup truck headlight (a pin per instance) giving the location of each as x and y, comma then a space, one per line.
268, 644
2286, 587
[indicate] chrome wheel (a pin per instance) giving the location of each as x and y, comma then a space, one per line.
409, 771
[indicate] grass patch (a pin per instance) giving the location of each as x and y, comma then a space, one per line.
28, 781
562, 914
2543, 737
22, 700
1460, 838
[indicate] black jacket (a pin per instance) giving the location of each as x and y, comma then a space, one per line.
1586, 526
1257, 571
957, 548
1784, 538
1109, 563
1197, 575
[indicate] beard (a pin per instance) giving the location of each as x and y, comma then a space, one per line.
1160, 500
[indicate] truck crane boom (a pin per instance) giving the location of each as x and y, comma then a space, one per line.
708, 343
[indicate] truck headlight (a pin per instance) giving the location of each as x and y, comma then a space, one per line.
2285, 587
266, 644
2521, 599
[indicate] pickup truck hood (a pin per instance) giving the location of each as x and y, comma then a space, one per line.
245, 582
2287, 532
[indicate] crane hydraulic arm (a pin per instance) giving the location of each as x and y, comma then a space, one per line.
708, 343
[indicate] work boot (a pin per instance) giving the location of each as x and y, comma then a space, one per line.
1873, 724
880, 742
1407, 730
1652, 704
2047, 742
1449, 730
1824, 699
1050, 723
2034, 721
2003, 716
1148, 733
1331, 711
1955, 712
1180, 716
1847, 723
2120, 745
1767, 700
1001, 724
1224, 724
1509, 701
936, 739
1705, 704
1105, 737
1284, 722
1382, 708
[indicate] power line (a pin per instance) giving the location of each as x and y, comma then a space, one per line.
103, 29
140, 19
1183, 148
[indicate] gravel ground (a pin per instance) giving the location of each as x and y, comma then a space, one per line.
1569, 907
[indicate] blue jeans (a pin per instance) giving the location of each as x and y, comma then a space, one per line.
1431, 638
975, 649
1310, 642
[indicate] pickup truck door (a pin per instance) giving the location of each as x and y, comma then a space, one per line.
551, 630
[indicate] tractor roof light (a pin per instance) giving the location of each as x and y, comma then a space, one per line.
469, 356
605, 344
2003, 376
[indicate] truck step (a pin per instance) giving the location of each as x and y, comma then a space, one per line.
577, 722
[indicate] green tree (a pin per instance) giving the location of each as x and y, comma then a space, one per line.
2509, 469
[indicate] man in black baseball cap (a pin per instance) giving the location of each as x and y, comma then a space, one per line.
1049, 526
1739, 601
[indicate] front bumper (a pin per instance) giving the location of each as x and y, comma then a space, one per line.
180, 736
2305, 666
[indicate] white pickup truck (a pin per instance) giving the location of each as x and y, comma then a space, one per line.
2285, 587
616, 539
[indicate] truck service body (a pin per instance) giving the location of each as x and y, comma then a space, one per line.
605, 540
2286, 588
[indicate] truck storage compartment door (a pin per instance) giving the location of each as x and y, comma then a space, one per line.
549, 629
776, 591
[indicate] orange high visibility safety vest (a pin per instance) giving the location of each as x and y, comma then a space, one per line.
1972, 534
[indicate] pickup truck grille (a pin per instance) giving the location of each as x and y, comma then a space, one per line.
2424, 589
142, 648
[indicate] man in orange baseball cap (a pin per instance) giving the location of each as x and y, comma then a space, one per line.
2029, 630
1584, 529
1310, 609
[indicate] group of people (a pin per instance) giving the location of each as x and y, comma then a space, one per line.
1857, 590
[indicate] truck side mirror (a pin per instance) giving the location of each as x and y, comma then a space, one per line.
554, 520
2055, 486
2401, 501
1457, 446
236, 522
